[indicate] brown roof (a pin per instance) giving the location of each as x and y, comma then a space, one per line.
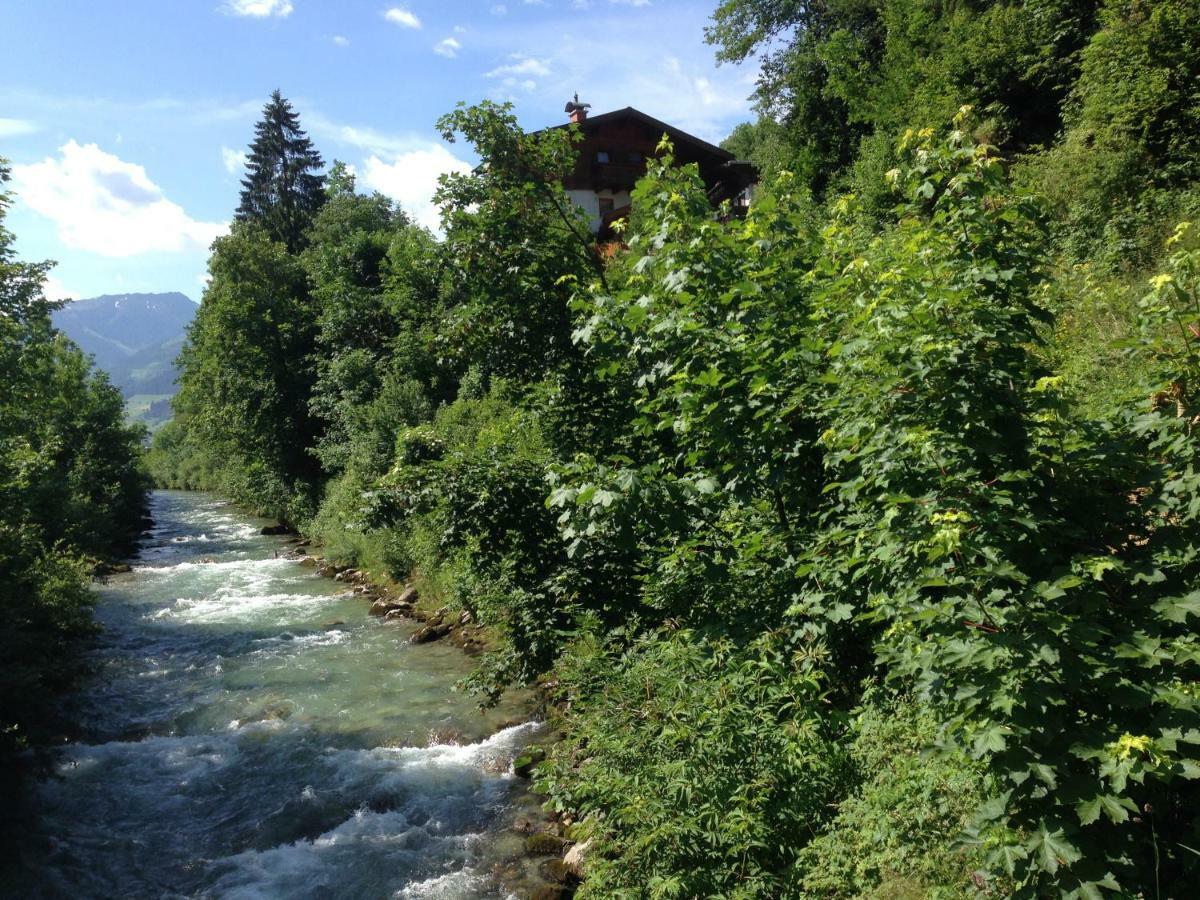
677, 135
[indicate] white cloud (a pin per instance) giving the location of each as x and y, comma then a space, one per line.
104, 205
499, 9
516, 75
259, 9
630, 2
520, 65
371, 140
16, 127
398, 15
411, 179
233, 160
651, 61
340, 40
447, 47
56, 290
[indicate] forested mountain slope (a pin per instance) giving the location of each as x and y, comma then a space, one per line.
135, 338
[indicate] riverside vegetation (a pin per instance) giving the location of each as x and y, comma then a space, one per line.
856, 541
72, 496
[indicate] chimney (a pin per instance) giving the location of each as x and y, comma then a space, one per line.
575, 110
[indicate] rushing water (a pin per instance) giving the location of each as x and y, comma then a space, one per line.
252, 732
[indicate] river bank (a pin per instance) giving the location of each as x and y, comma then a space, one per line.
252, 731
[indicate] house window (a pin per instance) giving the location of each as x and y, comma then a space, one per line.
601, 156
606, 205
633, 158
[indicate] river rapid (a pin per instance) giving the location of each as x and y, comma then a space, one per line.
251, 732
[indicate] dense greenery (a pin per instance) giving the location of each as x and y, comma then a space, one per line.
71, 494
855, 540
1095, 100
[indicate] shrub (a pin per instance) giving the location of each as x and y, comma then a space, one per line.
699, 768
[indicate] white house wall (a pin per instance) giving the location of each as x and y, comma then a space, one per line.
589, 202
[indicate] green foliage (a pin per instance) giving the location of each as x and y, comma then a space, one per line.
700, 769
941, 504
71, 493
516, 246
951, 468
466, 498
899, 831
1095, 321
175, 459
836, 75
375, 283
246, 377
1127, 166
925, 435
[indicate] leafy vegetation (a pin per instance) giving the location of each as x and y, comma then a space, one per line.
71, 494
854, 540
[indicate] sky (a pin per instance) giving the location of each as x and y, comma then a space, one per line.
125, 121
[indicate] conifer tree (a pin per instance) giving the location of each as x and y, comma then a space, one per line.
283, 187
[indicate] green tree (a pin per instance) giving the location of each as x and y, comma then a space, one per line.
376, 282
71, 493
283, 189
248, 376
516, 246
840, 80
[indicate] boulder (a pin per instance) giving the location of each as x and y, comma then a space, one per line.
446, 734
384, 605
277, 529
408, 595
309, 562
526, 760
554, 870
398, 612
105, 569
550, 892
576, 857
432, 632
542, 844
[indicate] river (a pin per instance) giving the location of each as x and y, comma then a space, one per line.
251, 732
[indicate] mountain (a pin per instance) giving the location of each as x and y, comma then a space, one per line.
135, 339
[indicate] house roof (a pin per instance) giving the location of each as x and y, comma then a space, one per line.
677, 135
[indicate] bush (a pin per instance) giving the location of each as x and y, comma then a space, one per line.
900, 832
700, 769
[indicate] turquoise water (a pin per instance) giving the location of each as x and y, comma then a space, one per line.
251, 732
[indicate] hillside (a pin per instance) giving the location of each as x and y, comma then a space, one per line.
135, 339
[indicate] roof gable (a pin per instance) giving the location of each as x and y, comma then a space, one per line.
596, 123
677, 135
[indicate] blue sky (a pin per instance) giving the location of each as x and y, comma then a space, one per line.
125, 119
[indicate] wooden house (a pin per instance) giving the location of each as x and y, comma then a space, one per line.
612, 157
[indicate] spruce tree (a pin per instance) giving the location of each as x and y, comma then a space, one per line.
283, 188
